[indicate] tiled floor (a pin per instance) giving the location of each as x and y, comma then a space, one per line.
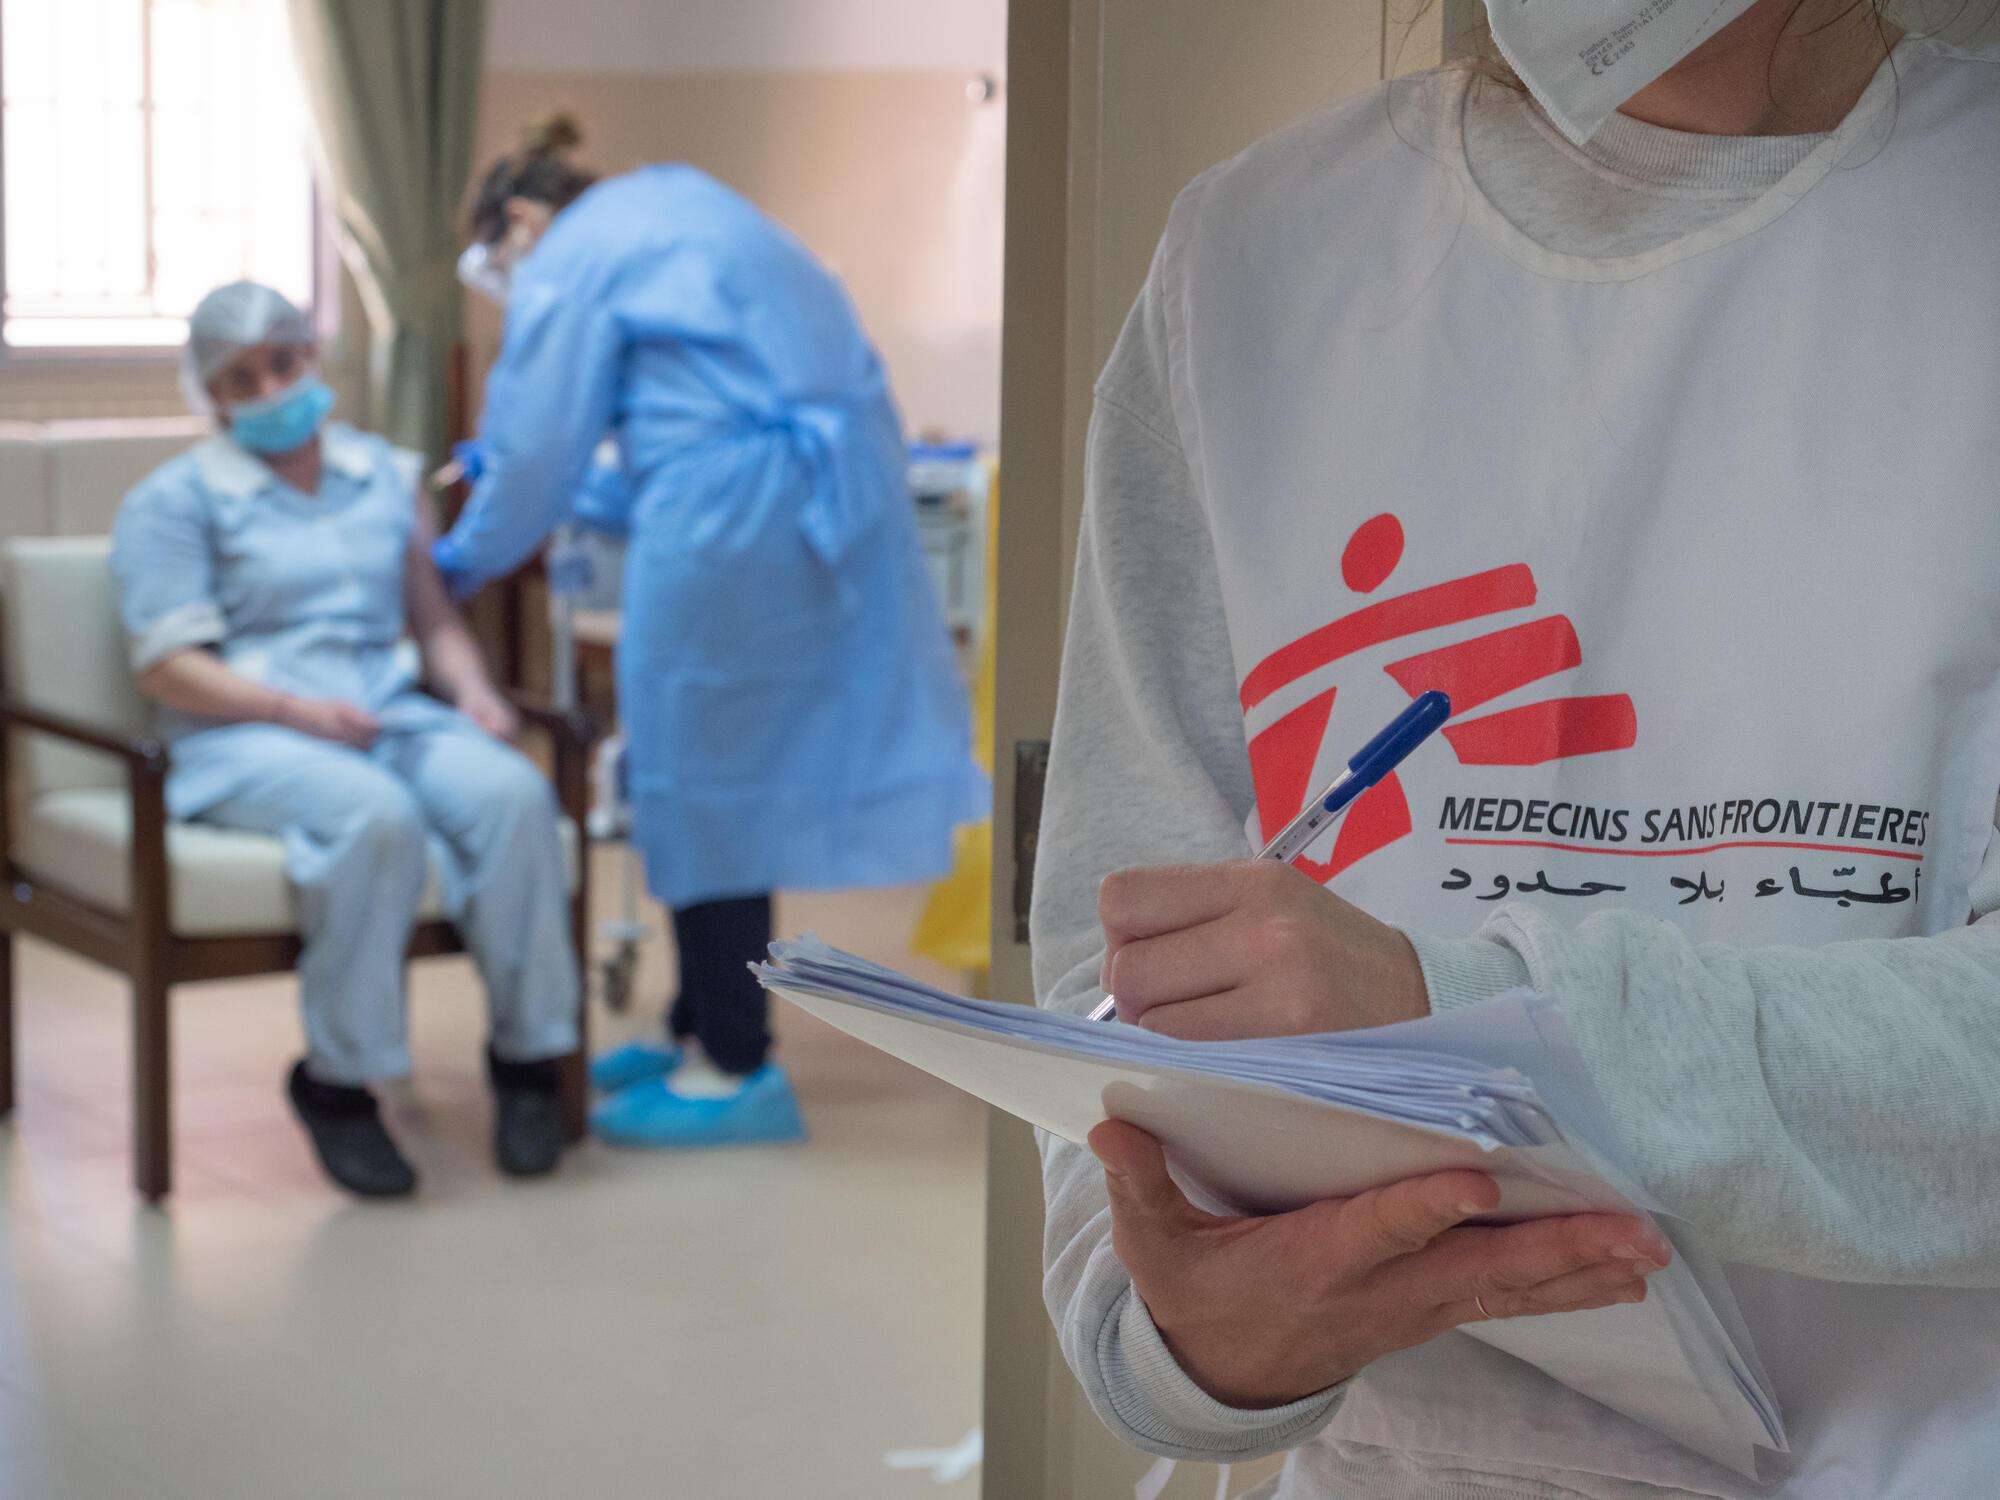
751, 1323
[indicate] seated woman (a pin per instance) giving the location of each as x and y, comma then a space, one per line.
268, 579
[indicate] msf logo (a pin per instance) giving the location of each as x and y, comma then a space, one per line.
1472, 671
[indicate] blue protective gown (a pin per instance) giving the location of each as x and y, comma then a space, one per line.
795, 716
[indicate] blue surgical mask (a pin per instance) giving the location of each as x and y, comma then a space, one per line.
285, 422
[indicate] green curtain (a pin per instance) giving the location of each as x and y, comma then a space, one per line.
394, 88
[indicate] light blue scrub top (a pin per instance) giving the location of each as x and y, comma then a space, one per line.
302, 593
795, 714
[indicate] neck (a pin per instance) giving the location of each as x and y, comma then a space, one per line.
1783, 67
300, 468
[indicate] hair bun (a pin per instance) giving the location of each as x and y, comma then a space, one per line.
552, 135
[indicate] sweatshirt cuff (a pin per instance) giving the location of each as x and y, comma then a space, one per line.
1153, 1395
1460, 972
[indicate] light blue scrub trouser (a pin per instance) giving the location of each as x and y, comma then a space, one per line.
356, 827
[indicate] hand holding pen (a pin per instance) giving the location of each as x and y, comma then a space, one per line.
1179, 937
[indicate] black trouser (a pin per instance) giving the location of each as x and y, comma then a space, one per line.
721, 1005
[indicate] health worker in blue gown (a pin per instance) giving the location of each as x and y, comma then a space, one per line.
793, 706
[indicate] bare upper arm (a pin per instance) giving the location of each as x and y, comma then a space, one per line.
426, 598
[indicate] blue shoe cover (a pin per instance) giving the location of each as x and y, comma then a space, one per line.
651, 1114
635, 1062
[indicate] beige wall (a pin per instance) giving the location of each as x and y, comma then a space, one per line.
893, 178
696, 36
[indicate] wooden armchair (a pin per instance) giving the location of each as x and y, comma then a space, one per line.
89, 860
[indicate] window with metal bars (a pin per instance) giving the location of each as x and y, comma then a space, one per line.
152, 150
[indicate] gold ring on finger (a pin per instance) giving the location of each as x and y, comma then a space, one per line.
1480, 1303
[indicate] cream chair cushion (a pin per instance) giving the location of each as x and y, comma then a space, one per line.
25, 507
224, 882
68, 478
65, 652
93, 465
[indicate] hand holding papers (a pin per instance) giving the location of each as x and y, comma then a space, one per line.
1271, 1125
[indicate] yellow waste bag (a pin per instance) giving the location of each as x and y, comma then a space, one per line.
956, 928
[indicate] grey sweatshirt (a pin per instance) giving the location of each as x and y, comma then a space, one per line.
1723, 1067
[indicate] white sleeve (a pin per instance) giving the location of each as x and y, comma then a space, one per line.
1146, 724
1833, 1111
164, 562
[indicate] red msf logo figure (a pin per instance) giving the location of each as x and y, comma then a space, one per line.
1473, 672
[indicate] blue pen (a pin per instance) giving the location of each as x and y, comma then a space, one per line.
1371, 763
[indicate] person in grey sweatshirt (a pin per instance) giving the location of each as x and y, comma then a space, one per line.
1418, 336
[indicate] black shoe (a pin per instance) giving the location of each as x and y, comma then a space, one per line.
347, 1134
528, 1135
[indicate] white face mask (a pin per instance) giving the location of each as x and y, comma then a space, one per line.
1581, 59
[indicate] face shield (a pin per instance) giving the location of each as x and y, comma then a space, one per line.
487, 270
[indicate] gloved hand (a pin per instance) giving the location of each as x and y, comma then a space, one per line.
604, 504
460, 584
468, 462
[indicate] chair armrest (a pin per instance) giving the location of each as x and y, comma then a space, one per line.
573, 734
138, 751
146, 782
576, 727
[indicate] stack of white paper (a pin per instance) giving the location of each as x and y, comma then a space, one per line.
1271, 1125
